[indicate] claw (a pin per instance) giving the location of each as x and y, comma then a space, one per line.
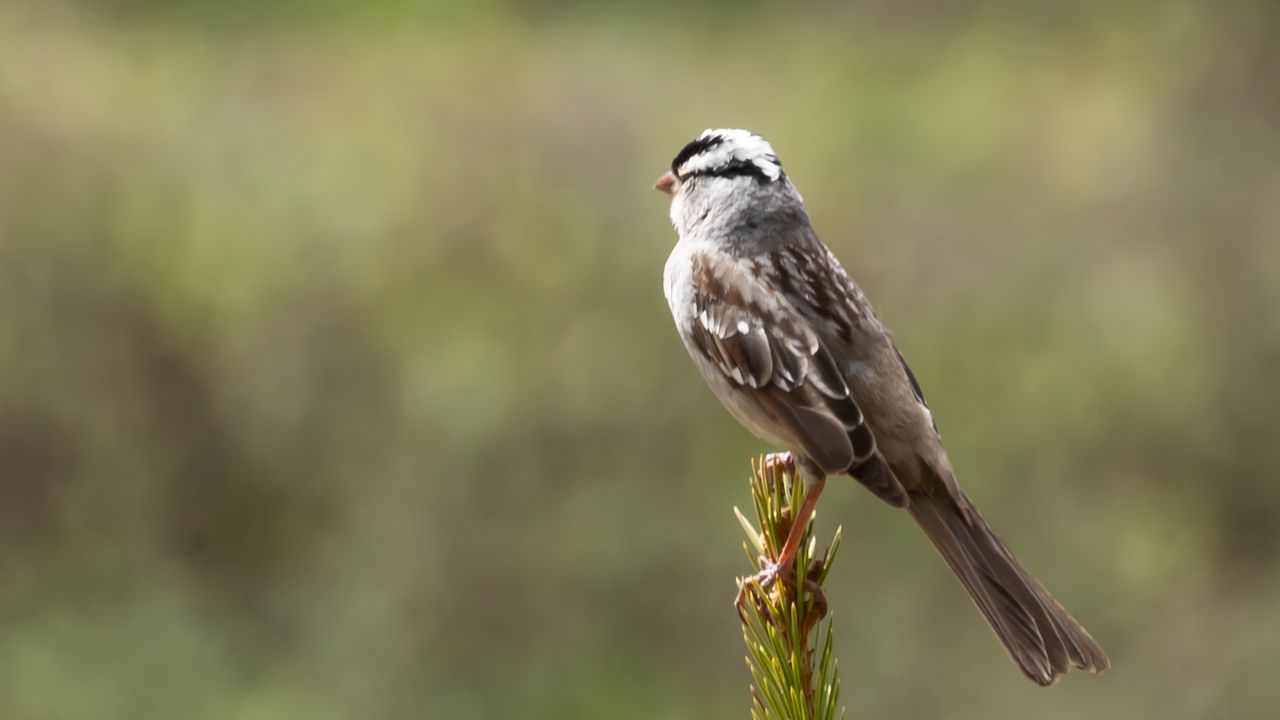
763, 580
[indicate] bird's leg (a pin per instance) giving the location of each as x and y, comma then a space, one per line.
785, 562
787, 556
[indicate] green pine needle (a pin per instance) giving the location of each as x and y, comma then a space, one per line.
780, 625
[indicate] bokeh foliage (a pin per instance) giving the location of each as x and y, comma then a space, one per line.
336, 380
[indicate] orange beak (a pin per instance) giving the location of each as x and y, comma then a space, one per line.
666, 183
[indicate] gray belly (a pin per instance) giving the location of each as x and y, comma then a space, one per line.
740, 404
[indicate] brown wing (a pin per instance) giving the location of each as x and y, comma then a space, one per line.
772, 355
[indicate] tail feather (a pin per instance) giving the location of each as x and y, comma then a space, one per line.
1042, 638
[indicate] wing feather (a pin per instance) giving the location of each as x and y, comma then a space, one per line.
772, 355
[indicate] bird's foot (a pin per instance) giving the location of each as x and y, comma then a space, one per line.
761, 585
783, 461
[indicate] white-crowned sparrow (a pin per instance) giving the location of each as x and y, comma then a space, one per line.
791, 347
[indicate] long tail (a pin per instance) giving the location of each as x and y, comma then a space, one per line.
1043, 639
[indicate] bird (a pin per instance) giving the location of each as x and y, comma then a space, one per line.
790, 345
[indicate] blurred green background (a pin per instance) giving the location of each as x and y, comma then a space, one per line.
336, 379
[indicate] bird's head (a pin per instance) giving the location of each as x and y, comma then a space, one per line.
722, 154
726, 179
